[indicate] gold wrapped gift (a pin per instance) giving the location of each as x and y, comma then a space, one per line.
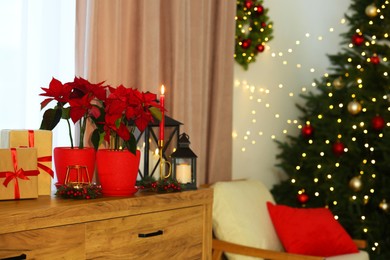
18, 173
42, 141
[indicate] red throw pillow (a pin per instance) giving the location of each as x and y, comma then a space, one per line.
310, 231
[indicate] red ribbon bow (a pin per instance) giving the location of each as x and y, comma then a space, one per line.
40, 159
17, 173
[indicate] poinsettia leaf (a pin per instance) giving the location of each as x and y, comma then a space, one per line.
96, 138
123, 132
76, 113
50, 119
156, 113
142, 121
45, 102
94, 111
65, 113
118, 123
131, 144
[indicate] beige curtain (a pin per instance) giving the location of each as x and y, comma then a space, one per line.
187, 45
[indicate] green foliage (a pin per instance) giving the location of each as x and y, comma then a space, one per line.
253, 31
314, 168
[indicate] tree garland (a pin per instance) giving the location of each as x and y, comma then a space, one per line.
161, 186
253, 30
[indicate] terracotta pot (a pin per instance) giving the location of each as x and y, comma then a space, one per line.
117, 171
77, 162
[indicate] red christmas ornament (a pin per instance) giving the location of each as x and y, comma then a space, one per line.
259, 10
263, 24
357, 39
378, 123
303, 198
338, 148
260, 48
245, 44
374, 59
307, 131
248, 4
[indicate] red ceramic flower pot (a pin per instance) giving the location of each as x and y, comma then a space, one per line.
76, 162
117, 171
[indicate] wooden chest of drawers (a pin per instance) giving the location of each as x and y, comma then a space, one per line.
145, 226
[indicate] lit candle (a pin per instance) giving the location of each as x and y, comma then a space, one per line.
162, 122
183, 173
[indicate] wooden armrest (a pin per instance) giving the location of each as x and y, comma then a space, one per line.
220, 246
361, 244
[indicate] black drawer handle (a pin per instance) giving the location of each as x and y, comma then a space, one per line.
20, 257
153, 234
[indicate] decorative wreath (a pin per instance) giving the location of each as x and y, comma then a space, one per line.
79, 191
253, 31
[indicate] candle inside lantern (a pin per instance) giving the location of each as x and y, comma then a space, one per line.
162, 122
183, 173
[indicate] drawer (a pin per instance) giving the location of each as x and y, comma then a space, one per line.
64, 242
172, 234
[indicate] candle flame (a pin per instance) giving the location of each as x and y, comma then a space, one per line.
162, 90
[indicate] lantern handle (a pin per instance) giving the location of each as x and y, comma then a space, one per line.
162, 175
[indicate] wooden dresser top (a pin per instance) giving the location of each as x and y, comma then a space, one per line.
49, 211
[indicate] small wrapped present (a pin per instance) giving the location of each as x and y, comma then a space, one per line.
18, 173
42, 141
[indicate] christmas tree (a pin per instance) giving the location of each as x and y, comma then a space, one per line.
341, 158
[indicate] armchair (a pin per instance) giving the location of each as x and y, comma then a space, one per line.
243, 228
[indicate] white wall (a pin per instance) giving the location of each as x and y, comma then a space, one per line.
262, 94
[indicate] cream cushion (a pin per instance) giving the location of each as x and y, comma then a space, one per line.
240, 215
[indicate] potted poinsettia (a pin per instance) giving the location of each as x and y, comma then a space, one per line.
74, 103
123, 111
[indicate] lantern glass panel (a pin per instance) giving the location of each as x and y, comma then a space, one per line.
147, 143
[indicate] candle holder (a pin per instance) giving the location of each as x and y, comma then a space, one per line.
82, 176
81, 188
163, 162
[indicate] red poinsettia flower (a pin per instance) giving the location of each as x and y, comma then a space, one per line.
116, 112
56, 91
125, 109
74, 101
82, 108
81, 87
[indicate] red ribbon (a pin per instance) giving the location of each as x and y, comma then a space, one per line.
30, 138
40, 159
17, 173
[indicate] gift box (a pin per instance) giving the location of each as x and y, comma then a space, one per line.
18, 173
42, 141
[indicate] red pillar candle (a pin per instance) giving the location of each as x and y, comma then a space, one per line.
162, 122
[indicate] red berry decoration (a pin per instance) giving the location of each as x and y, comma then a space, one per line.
248, 4
259, 9
375, 59
303, 198
307, 131
378, 123
260, 48
246, 43
338, 148
357, 39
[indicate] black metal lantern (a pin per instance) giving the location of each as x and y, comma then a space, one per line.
147, 142
184, 163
